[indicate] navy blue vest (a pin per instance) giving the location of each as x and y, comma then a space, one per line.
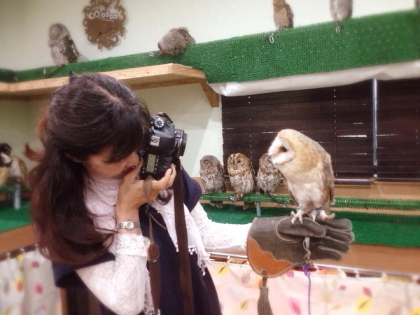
206, 301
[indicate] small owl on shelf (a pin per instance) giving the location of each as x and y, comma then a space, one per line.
212, 176
241, 176
268, 177
340, 10
282, 14
307, 173
175, 41
63, 48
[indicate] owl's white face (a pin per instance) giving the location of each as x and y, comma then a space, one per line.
281, 151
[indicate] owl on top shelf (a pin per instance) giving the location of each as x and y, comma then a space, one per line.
282, 14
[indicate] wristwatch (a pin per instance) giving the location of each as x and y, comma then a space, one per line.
128, 225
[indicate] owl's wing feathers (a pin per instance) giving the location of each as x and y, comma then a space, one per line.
222, 175
70, 51
56, 52
186, 34
329, 179
290, 15
326, 176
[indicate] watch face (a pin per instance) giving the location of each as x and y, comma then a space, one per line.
129, 225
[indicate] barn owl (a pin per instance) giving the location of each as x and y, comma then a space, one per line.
268, 177
307, 173
175, 41
282, 14
241, 176
63, 49
212, 176
340, 10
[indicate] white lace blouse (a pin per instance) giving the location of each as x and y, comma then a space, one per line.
123, 285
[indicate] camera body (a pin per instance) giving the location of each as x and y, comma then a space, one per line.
164, 144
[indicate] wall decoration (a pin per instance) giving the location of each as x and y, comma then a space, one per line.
104, 22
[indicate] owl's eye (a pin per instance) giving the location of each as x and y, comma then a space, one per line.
283, 149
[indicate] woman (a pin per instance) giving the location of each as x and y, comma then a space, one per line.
88, 204
86, 183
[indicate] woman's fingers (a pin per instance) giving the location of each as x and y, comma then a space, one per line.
167, 180
132, 175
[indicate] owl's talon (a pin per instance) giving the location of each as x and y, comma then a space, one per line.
298, 215
322, 215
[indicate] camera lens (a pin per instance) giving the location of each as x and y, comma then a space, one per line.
181, 143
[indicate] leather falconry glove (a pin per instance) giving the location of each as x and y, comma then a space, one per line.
275, 245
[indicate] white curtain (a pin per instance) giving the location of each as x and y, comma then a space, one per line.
27, 286
330, 294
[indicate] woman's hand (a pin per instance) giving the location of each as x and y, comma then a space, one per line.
131, 194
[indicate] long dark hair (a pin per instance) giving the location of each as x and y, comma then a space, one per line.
85, 116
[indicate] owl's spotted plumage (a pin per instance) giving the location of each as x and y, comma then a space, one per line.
307, 172
12, 168
175, 41
340, 10
282, 14
63, 49
268, 177
212, 176
241, 176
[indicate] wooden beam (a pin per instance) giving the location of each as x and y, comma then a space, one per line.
139, 78
211, 95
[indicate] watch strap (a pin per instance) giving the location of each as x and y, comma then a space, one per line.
128, 225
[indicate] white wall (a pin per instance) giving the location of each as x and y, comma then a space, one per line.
23, 45
24, 24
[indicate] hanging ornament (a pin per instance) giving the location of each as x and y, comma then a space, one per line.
104, 22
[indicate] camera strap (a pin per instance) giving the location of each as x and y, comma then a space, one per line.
153, 251
182, 237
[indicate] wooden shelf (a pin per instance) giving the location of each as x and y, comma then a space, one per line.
138, 78
17, 238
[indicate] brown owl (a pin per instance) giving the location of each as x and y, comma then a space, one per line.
175, 41
282, 14
241, 176
307, 172
212, 176
63, 49
340, 10
268, 177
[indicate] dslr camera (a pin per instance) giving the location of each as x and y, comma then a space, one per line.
164, 143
